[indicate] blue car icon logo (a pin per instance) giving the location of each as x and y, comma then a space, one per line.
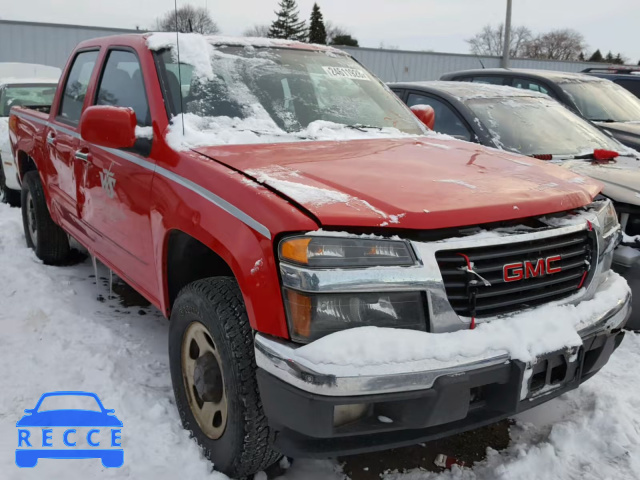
47, 431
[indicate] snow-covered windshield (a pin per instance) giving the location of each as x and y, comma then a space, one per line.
244, 94
25, 95
603, 101
537, 125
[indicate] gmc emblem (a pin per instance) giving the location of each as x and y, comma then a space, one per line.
512, 272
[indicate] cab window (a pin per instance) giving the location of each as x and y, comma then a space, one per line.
121, 85
532, 85
76, 87
492, 80
447, 121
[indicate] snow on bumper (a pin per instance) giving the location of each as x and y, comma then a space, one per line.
370, 360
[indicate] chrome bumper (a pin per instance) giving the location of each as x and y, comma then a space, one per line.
276, 356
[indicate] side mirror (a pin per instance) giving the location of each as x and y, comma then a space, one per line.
111, 127
425, 114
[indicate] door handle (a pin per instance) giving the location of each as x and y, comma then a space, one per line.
51, 138
80, 155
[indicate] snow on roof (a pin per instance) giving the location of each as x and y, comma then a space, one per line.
160, 40
468, 90
20, 72
27, 81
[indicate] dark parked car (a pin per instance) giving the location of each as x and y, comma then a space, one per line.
627, 77
532, 124
601, 101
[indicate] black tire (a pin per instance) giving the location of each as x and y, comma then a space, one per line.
246, 446
50, 242
7, 195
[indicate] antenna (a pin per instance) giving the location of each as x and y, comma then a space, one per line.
175, 4
480, 60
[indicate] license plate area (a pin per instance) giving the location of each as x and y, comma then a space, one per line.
553, 371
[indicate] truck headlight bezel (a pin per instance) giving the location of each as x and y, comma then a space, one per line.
318, 251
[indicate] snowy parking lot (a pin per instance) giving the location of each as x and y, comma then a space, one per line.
60, 331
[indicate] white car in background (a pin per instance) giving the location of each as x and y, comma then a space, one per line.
20, 84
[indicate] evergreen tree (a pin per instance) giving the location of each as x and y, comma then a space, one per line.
596, 57
581, 57
317, 32
618, 60
287, 25
609, 57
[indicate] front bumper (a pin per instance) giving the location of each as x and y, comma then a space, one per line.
300, 403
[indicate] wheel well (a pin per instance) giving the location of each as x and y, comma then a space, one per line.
189, 260
25, 164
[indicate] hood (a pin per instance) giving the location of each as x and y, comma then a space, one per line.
621, 178
627, 133
414, 182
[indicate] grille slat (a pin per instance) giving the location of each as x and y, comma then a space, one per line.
469, 298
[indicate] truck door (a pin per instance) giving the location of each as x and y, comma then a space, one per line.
63, 138
116, 199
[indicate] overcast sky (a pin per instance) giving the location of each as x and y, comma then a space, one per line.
439, 25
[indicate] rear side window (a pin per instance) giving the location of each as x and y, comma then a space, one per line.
492, 80
531, 85
446, 120
632, 85
76, 87
121, 85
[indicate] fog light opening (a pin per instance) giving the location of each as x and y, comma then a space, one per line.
345, 414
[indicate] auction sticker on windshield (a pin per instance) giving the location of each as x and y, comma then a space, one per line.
345, 72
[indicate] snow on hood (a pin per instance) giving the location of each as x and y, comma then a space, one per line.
524, 337
346, 183
259, 129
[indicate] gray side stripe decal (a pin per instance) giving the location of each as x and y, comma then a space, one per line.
186, 183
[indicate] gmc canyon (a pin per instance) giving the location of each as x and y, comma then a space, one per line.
269, 196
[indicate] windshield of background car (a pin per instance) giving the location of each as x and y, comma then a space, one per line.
25, 95
281, 92
603, 101
538, 125
69, 402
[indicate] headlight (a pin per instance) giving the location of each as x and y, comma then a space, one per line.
608, 220
345, 252
312, 316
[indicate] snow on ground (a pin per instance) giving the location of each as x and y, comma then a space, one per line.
56, 335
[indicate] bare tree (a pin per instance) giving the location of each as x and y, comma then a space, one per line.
561, 44
257, 31
189, 19
490, 41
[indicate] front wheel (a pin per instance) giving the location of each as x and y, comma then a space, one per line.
47, 239
213, 374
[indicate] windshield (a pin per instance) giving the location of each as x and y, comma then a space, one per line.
255, 95
26, 95
532, 125
603, 101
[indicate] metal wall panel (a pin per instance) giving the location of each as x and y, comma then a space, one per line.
407, 66
45, 43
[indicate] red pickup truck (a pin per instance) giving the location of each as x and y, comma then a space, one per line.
270, 196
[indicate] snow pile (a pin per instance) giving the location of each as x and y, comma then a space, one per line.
524, 336
57, 336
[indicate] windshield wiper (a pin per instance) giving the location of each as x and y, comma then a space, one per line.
362, 128
604, 120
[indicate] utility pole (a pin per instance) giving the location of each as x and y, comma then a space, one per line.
507, 37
